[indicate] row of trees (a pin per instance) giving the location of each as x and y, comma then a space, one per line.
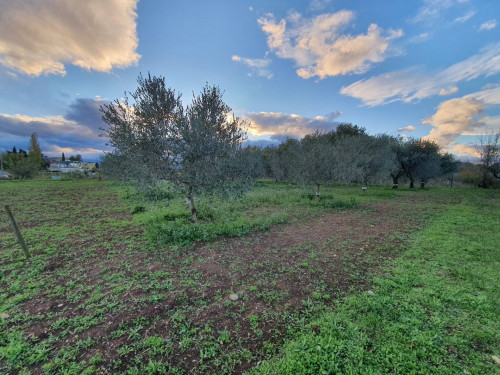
350, 155
24, 164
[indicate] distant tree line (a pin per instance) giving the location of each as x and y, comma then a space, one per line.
349, 155
22, 164
27, 164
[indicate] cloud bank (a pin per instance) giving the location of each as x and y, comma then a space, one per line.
77, 132
279, 126
41, 36
320, 48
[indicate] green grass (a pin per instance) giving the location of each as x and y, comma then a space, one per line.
437, 311
99, 297
167, 219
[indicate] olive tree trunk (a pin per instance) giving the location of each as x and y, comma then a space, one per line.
192, 207
395, 181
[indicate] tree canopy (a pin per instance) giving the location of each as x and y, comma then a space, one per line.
156, 139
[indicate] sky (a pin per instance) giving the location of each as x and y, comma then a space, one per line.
416, 68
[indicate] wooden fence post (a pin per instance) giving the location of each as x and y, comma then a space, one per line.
20, 239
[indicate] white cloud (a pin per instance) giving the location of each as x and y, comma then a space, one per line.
317, 5
448, 91
409, 128
420, 38
257, 66
489, 25
282, 125
465, 17
319, 48
412, 84
433, 9
41, 36
487, 96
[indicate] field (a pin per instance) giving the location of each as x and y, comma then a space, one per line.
272, 282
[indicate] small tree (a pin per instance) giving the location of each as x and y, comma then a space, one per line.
206, 144
488, 147
429, 162
35, 153
141, 133
326, 158
63, 158
19, 165
373, 157
155, 140
251, 160
284, 160
449, 167
317, 160
418, 159
75, 158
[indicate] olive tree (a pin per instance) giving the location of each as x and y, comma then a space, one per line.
141, 132
206, 146
418, 160
284, 160
488, 147
449, 166
326, 158
373, 157
156, 139
429, 161
396, 170
317, 160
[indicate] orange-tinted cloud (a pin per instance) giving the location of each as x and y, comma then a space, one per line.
320, 48
282, 125
41, 36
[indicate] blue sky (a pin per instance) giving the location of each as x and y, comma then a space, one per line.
423, 68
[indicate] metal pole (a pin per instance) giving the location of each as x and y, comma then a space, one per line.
20, 239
